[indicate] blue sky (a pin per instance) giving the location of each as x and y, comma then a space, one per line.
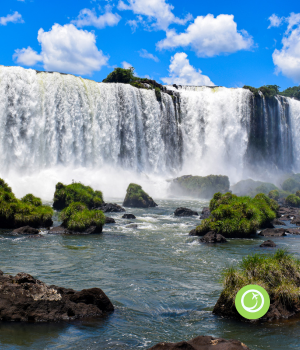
226, 43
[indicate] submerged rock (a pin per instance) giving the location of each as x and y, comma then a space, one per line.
273, 232
24, 298
268, 244
128, 216
205, 213
132, 226
26, 230
136, 197
184, 212
109, 220
60, 230
111, 208
213, 237
202, 343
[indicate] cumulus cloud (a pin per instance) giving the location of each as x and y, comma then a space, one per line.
66, 49
145, 54
158, 12
88, 17
16, 17
27, 57
287, 60
209, 36
275, 21
126, 65
182, 73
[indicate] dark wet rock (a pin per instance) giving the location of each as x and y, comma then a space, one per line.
268, 244
26, 230
278, 222
293, 230
132, 226
287, 212
193, 232
128, 216
205, 213
59, 230
136, 197
296, 221
109, 220
202, 343
111, 208
213, 237
273, 232
184, 212
26, 299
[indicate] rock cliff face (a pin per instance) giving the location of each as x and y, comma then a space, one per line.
24, 298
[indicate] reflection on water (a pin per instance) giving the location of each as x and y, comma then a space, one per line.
163, 283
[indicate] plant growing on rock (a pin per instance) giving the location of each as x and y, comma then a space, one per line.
293, 201
76, 192
77, 217
233, 216
15, 213
278, 274
137, 197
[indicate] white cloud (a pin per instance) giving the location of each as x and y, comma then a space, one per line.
209, 36
88, 17
66, 49
16, 17
145, 54
158, 12
126, 65
287, 60
275, 21
182, 73
27, 57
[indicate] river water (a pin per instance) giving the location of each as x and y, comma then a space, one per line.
162, 282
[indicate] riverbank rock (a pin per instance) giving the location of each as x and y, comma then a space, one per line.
273, 232
109, 220
278, 222
205, 213
202, 343
136, 197
128, 216
296, 221
26, 230
287, 213
268, 244
213, 237
293, 230
194, 233
111, 208
26, 299
184, 212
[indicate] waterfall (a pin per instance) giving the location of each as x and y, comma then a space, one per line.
60, 127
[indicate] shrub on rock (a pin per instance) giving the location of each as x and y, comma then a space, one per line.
16, 213
77, 217
278, 274
251, 188
233, 216
136, 197
200, 186
293, 201
76, 192
292, 184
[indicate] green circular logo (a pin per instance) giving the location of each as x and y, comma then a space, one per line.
252, 302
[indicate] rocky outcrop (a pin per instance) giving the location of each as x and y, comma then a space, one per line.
296, 221
202, 343
128, 216
278, 222
109, 220
60, 230
24, 298
273, 232
184, 212
136, 197
287, 213
111, 208
193, 233
293, 230
213, 237
268, 244
25, 230
205, 213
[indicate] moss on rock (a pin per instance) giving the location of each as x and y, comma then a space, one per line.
233, 216
136, 197
15, 213
76, 192
77, 217
293, 201
199, 186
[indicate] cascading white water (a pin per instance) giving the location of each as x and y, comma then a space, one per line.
56, 127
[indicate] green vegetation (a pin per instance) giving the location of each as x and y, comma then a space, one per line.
77, 217
234, 216
268, 91
136, 197
292, 184
200, 186
278, 274
278, 194
292, 92
251, 188
15, 213
76, 192
293, 201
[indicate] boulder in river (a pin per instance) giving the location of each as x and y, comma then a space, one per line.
26, 230
268, 244
213, 237
273, 232
128, 216
293, 230
26, 299
184, 212
111, 208
278, 222
136, 197
205, 213
296, 221
202, 343
109, 220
